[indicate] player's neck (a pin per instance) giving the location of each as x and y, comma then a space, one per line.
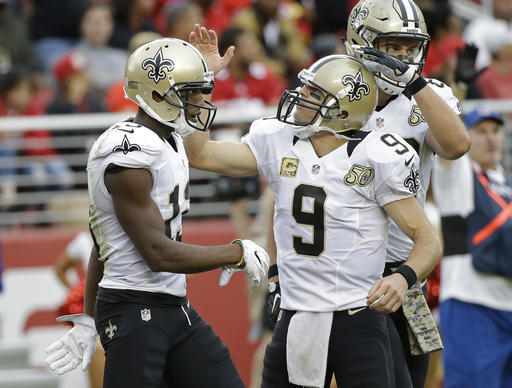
160, 129
324, 142
383, 98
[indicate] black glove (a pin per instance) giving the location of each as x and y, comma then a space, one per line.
380, 62
274, 301
465, 71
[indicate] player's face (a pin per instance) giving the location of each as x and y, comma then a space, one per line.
486, 143
192, 97
306, 112
404, 49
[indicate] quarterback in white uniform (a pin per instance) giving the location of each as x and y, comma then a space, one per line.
392, 39
334, 187
138, 191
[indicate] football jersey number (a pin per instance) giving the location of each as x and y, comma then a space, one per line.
174, 201
314, 217
391, 141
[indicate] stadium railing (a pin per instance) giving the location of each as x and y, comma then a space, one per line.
36, 190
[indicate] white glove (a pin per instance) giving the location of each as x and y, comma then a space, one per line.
254, 263
77, 345
377, 61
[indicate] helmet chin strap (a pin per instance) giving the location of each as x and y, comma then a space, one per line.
179, 124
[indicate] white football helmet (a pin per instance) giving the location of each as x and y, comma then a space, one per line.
159, 77
371, 20
350, 97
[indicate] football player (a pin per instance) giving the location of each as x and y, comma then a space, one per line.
391, 37
138, 191
334, 187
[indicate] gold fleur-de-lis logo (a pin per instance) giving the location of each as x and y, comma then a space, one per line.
110, 331
126, 146
358, 85
156, 66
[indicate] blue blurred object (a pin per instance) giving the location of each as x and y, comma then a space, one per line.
475, 116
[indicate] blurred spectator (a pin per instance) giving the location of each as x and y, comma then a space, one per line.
285, 49
9, 145
105, 65
489, 35
76, 257
475, 200
496, 80
321, 46
217, 14
42, 166
73, 87
181, 18
330, 16
503, 10
54, 26
445, 29
130, 17
16, 47
73, 95
115, 100
326, 44
245, 81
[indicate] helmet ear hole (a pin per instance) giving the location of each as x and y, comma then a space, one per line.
156, 97
343, 114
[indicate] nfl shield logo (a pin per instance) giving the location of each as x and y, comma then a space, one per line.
145, 314
380, 122
315, 169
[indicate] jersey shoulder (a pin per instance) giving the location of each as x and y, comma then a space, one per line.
377, 148
445, 92
127, 136
269, 131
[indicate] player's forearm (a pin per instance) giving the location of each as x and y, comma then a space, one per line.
444, 124
94, 275
425, 253
172, 256
271, 246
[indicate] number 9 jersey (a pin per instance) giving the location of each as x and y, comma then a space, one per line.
130, 145
329, 225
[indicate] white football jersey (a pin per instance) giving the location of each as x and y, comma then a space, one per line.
329, 225
402, 115
131, 145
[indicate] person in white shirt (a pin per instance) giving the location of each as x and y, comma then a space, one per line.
474, 196
392, 39
334, 187
138, 179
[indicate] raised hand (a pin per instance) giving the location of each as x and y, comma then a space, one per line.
206, 42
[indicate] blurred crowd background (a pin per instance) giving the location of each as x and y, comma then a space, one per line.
68, 57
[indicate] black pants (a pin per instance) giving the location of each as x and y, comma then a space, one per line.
159, 341
417, 365
359, 352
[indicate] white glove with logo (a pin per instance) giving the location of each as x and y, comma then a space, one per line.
255, 262
77, 345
